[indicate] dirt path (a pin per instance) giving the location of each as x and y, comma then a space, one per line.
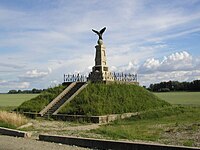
61, 125
49, 125
59, 128
84, 127
13, 143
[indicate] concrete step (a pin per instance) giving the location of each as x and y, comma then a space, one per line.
65, 96
62, 94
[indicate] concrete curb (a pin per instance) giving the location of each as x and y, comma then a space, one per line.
109, 144
94, 119
12, 132
26, 125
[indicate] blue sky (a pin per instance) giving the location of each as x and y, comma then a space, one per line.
40, 40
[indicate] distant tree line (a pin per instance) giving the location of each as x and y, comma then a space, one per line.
175, 86
33, 91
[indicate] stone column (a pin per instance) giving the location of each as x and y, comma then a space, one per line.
100, 71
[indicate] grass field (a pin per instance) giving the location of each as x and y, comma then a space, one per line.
184, 98
14, 100
174, 126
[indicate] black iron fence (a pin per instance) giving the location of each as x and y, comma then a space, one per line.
126, 77
74, 78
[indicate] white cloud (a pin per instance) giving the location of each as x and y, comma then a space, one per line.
151, 64
54, 83
60, 38
2, 81
14, 84
23, 85
174, 62
178, 66
50, 70
146, 79
34, 74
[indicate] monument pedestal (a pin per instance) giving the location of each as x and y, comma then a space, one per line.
100, 72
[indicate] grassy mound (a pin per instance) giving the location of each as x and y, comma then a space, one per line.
101, 99
38, 103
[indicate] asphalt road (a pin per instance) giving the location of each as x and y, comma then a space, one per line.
14, 143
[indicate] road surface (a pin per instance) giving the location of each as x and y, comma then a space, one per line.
14, 143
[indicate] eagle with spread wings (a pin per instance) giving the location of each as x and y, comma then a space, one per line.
100, 33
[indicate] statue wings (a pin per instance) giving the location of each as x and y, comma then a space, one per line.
95, 31
102, 30
99, 33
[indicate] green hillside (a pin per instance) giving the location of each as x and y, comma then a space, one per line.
101, 99
38, 103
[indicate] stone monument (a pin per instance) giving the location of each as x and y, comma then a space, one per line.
100, 72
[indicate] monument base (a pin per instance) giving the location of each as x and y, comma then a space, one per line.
100, 77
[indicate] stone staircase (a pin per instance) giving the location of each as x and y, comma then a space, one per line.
63, 98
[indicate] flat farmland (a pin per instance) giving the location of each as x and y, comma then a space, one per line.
184, 98
14, 100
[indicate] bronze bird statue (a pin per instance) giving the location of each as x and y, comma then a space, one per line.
100, 33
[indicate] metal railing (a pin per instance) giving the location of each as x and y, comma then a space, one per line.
125, 77
75, 78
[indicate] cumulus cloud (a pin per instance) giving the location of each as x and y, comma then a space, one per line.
2, 81
179, 66
35, 74
50, 70
146, 79
176, 61
131, 67
14, 84
22, 85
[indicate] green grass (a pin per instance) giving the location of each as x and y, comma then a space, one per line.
158, 125
14, 99
36, 104
7, 108
184, 98
101, 99
7, 125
